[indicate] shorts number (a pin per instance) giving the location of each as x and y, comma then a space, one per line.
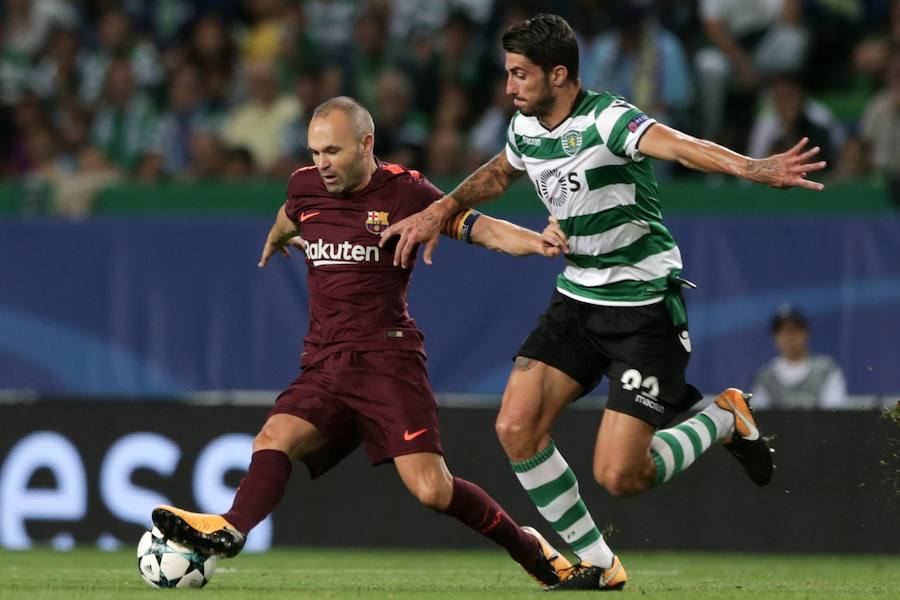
633, 380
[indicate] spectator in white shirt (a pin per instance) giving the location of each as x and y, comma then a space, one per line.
796, 379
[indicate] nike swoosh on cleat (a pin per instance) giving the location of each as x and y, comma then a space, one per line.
307, 216
609, 576
407, 436
754, 432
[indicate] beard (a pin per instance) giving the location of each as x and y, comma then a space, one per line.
543, 105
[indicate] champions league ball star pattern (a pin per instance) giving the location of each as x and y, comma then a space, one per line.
167, 564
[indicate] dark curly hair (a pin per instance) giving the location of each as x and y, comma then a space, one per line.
547, 41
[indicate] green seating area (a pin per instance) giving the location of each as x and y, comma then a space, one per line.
262, 197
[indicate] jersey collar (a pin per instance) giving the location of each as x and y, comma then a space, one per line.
579, 98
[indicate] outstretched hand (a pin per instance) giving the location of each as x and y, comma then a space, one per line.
424, 226
788, 169
275, 245
553, 240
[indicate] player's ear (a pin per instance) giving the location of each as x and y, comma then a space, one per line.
558, 75
368, 144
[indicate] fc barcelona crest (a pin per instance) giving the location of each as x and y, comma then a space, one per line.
376, 221
571, 142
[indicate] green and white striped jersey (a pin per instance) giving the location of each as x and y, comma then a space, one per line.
589, 174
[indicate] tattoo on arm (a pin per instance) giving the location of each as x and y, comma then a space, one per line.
762, 170
488, 182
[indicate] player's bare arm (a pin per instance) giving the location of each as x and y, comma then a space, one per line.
505, 237
489, 181
785, 170
282, 231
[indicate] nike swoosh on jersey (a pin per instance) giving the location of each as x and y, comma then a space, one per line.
306, 216
407, 436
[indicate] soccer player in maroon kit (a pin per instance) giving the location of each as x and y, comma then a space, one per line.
364, 378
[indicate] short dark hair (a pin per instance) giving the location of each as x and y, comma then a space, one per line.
547, 41
788, 314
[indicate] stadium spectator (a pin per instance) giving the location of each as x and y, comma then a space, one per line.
207, 157
238, 164
371, 53
28, 24
454, 111
461, 57
187, 112
213, 51
26, 117
164, 21
331, 24
297, 50
261, 42
363, 378
293, 151
42, 156
259, 122
426, 17
446, 154
76, 192
56, 76
751, 39
489, 131
55, 48
879, 128
871, 53
454, 57
73, 122
835, 29
797, 379
117, 41
403, 131
639, 59
787, 114
125, 122
415, 60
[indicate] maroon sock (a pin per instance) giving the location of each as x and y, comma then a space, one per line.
472, 505
260, 490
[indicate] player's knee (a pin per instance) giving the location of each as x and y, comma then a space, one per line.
516, 437
435, 495
619, 482
270, 437
508, 431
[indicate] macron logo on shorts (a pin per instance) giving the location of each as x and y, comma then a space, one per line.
408, 437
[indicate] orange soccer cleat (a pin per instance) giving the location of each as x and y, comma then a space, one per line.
209, 533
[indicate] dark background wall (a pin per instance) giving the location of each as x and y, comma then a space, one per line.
836, 488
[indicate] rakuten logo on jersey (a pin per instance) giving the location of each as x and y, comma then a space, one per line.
321, 253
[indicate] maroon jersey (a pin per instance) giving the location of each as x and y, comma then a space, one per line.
357, 297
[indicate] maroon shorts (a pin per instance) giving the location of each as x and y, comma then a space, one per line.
379, 398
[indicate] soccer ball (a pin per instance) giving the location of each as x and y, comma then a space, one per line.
167, 564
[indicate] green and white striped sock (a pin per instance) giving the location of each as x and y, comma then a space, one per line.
554, 490
675, 449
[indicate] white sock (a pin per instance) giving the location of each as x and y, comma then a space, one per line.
723, 419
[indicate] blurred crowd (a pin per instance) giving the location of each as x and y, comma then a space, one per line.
97, 91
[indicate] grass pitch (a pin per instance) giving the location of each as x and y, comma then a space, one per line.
308, 573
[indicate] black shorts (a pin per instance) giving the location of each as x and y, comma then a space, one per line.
638, 348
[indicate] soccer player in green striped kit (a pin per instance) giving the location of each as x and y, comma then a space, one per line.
617, 309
